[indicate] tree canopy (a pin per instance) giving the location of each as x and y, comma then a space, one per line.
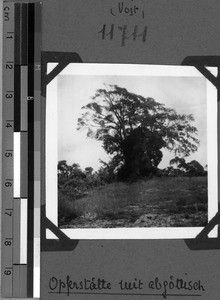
134, 129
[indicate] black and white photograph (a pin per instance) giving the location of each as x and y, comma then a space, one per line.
128, 148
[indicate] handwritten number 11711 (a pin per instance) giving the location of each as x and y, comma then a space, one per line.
124, 32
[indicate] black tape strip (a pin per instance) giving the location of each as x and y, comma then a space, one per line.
214, 221
55, 72
17, 63
31, 34
202, 241
200, 63
63, 243
62, 58
24, 35
208, 61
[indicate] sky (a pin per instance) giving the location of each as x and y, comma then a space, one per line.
187, 95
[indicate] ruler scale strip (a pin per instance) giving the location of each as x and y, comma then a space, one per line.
7, 150
20, 118
21, 150
17, 141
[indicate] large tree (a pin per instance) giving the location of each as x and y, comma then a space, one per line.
134, 129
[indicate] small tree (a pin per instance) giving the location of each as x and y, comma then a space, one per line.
192, 168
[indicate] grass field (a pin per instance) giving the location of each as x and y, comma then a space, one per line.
166, 201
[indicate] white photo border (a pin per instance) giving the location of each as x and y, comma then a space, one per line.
51, 142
